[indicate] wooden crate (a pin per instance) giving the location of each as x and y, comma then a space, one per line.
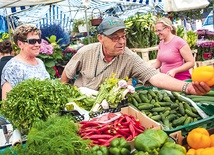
205, 63
144, 53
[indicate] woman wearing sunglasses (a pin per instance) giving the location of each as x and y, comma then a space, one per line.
25, 65
174, 54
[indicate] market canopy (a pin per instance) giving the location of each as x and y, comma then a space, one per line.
17, 3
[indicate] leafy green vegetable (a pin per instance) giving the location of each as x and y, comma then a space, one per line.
34, 99
58, 136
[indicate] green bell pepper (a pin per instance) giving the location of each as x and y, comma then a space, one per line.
99, 150
119, 146
136, 152
172, 149
150, 141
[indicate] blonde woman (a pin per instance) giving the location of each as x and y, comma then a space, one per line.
174, 54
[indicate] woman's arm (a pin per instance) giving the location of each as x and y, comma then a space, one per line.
6, 87
157, 64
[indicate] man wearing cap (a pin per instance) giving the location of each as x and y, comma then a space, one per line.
97, 61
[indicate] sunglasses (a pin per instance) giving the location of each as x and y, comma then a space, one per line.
33, 41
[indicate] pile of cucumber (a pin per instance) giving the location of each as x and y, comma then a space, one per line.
169, 109
208, 98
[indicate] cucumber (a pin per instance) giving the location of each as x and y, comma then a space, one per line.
143, 98
174, 106
136, 96
145, 106
134, 102
191, 114
151, 92
156, 117
158, 109
171, 117
164, 104
144, 92
181, 108
179, 121
187, 106
188, 120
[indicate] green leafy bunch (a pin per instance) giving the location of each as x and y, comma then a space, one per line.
51, 60
57, 135
140, 31
33, 100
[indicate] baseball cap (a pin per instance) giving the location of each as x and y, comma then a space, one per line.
110, 24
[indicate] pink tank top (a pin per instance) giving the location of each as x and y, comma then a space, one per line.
170, 57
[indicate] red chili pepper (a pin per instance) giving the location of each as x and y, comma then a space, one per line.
104, 128
121, 119
138, 129
107, 131
124, 132
99, 136
89, 123
142, 127
87, 134
116, 123
129, 138
102, 141
137, 122
131, 127
107, 143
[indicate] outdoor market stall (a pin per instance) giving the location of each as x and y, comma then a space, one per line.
131, 119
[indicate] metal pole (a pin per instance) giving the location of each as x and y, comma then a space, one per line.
87, 26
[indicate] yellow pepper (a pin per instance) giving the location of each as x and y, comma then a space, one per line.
191, 152
207, 151
198, 138
204, 74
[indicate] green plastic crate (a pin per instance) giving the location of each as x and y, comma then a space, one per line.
205, 123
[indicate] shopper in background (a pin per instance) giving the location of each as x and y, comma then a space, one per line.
25, 65
95, 62
6, 53
174, 56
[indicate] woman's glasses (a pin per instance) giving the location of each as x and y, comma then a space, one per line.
32, 41
159, 31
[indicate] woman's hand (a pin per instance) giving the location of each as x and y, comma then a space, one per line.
171, 73
197, 88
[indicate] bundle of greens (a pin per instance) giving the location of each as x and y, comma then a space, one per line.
56, 135
34, 99
112, 91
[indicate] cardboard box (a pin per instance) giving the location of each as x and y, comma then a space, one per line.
144, 120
